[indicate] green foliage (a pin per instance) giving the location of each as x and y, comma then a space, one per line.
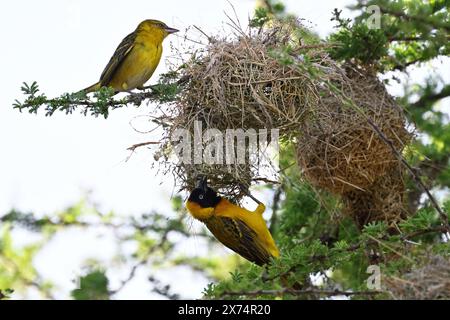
101, 102
313, 235
93, 286
67, 102
430, 155
5, 294
177, 203
341, 264
26, 220
323, 253
16, 264
375, 229
152, 235
260, 17
268, 9
425, 218
167, 88
410, 32
357, 42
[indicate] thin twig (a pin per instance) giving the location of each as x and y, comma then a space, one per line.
442, 214
141, 262
210, 39
300, 292
266, 180
275, 205
390, 248
142, 144
440, 229
431, 98
129, 277
421, 19
138, 145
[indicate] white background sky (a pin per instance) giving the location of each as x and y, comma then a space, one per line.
64, 45
47, 164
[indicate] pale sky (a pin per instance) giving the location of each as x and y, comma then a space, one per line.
50, 163
64, 46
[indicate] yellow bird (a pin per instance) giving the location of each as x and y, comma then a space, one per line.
243, 231
135, 59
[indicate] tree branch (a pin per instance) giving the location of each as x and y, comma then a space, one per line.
294, 292
420, 19
411, 38
142, 144
133, 270
403, 66
432, 98
440, 229
275, 206
442, 214
431, 168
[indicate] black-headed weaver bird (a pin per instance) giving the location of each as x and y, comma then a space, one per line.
135, 59
243, 231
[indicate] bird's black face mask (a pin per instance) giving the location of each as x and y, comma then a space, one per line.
204, 195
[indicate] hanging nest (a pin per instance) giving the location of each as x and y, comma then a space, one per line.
250, 81
241, 84
384, 201
338, 150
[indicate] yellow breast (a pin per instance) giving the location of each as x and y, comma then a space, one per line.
139, 65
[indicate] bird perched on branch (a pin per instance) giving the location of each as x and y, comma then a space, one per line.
243, 231
135, 59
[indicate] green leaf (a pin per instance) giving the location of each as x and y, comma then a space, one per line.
93, 286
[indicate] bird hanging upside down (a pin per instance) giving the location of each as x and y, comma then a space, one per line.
135, 59
243, 231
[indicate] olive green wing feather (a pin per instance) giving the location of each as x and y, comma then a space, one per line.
237, 236
118, 57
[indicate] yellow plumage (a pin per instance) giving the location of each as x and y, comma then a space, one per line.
135, 59
239, 229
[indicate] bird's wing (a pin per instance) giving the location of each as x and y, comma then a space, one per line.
118, 57
237, 236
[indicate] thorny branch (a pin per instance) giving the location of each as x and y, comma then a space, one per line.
442, 214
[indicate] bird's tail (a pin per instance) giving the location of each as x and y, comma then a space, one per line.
92, 88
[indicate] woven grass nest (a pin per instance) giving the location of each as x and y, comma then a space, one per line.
338, 149
239, 83
242, 82
428, 282
384, 201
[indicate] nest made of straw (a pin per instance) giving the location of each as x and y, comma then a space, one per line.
384, 201
241, 84
338, 150
429, 282
244, 82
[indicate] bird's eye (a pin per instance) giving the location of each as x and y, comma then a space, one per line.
200, 197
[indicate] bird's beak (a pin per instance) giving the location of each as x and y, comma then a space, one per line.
170, 30
202, 183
